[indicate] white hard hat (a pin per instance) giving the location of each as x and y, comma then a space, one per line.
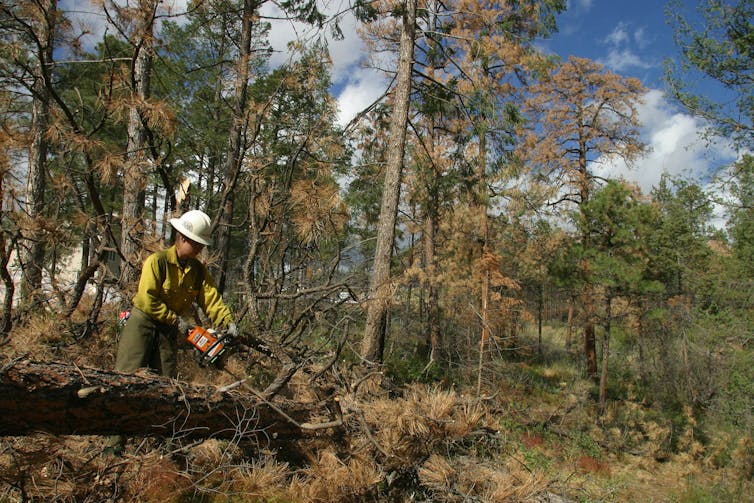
193, 224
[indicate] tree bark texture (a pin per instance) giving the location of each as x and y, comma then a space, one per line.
433, 310
431, 213
484, 231
136, 172
235, 146
33, 261
379, 284
590, 339
569, 325
606, 352
63, 399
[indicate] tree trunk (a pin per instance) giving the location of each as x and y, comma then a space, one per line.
606, 351
33, 260
433, 172
481, 203
63, 399
136, 172
590, 340
235, 147
640, 338
540, 315
7, 320
373, 344
433, 310
569, 325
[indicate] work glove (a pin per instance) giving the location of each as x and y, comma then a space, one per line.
183, 326
232, 330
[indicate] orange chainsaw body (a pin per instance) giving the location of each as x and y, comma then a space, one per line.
210, 344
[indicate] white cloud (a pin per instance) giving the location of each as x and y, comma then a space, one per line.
618, 36
281, 33
570, 21
641, 38
89, 17
356, 87
86, 17
345, 53
570, 27
364, 87
621, 56
676, 147
620, 60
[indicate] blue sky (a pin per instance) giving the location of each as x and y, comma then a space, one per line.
629, 37
634, 39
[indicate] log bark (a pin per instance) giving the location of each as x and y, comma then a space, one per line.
63, 399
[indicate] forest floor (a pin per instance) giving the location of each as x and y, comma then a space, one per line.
533, 434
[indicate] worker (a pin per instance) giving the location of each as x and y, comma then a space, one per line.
171, 281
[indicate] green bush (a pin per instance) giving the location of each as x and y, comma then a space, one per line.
412, 368
699, 491
735, 403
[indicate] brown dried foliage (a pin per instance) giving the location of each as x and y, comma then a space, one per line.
318, 210
467, 476
435, 443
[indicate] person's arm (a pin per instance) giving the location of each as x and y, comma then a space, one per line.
210, 300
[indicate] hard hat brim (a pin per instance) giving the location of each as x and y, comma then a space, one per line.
178, 226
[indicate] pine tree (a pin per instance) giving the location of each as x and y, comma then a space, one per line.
294, 217
10, 131
680, 243
581, 114
139, 25
379, 283
234, 153
618, 225
719, 50
28, 61
741, 221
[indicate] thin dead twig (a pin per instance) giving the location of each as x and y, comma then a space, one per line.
303, 426
368, 432
12, 363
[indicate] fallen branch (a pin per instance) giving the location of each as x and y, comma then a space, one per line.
64, 399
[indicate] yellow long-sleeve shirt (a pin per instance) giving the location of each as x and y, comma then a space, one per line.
167, 290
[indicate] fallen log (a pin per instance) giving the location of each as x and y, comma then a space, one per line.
64, 399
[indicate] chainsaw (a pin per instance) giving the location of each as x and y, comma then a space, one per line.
212, 345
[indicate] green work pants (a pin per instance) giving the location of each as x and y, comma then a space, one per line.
144, 343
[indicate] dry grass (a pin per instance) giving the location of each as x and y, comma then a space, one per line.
331, 479
743, 458
422, 443
152, 477
410, 427
260, 480
464, 477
